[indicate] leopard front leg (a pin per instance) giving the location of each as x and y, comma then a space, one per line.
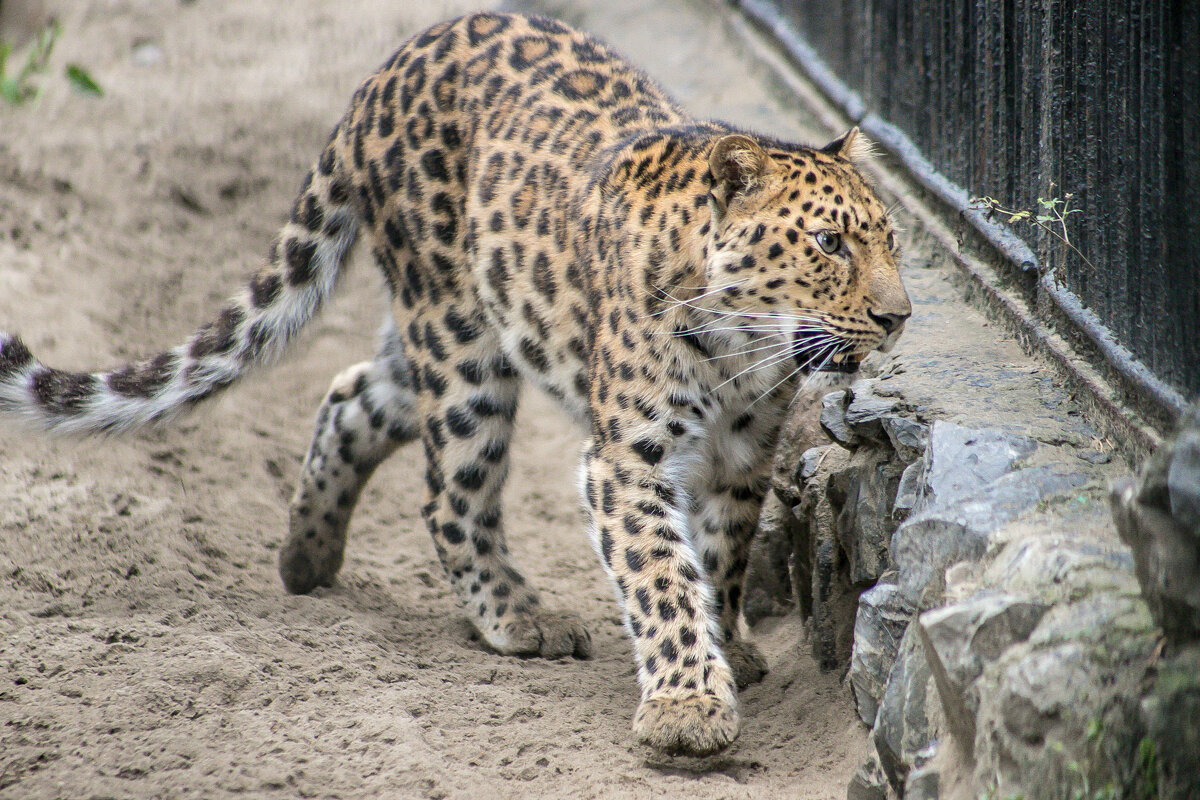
689, 700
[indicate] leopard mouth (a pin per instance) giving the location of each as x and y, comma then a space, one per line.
811, 357
843, 363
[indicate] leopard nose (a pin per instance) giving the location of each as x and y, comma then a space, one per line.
888, 321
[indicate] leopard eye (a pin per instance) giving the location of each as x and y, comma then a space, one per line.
891, 241
829, 241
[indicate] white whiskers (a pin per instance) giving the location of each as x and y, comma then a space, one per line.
771, 339
841, 347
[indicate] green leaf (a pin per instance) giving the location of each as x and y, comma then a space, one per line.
39, 54
82, 82
1042, 218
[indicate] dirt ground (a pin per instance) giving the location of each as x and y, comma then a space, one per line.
147, 647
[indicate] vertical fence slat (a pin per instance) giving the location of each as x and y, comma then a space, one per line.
1099, 97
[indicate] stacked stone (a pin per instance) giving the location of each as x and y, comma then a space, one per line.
991, 621
1158, 515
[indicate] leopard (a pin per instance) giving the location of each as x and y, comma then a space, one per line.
541, 211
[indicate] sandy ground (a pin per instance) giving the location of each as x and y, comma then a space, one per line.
147, 648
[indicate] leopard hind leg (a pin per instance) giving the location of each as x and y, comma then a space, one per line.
368, 412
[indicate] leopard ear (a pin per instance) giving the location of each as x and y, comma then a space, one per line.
737, 164
851, 145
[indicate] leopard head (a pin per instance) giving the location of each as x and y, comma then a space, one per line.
801, 248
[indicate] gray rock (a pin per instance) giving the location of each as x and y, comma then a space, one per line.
833, 419
801, 431
1040, 690
908, 437
1183, 480
823, 590
865, 524
768, 586
960, 638
865, 411
908, 492
810, 460
868, 782
903, 733
1106, 614
1033, 564
883, 616
960, 461
1094, 456
1056, 717
1166, 556
922, 784
933, 539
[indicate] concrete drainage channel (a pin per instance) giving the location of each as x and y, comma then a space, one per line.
944, 523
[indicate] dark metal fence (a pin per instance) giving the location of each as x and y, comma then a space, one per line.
1021, 99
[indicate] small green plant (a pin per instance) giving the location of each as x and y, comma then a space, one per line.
1147, 768
1051, 217
20, 86
82, 81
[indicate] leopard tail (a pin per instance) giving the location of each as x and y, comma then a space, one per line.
253, 328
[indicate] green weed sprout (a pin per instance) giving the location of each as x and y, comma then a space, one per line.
1051, 217
21, 86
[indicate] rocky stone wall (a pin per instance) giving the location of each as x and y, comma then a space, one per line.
1158, 515
969, 580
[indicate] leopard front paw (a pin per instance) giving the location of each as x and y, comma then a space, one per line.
548, 634
695, 725
746, 661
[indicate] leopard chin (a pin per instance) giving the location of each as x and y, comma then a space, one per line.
829, 381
